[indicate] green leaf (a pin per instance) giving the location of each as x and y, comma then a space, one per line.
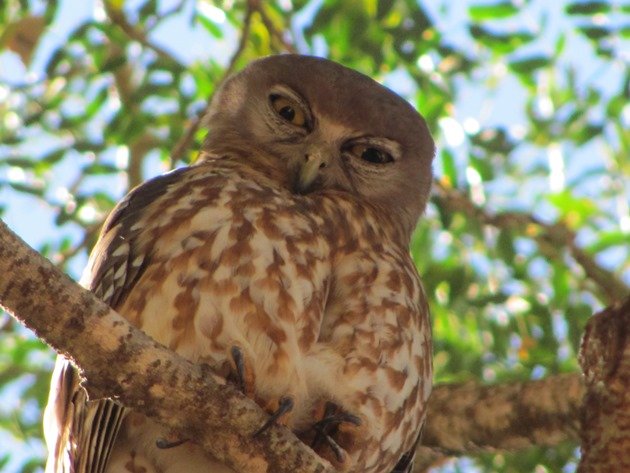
609, 239
444, 213
588, 8
530, 64
383, 8
560, 283
560, 44
500, 43
483, 166
100, 168
505, 246
19, 161
595, 32
28, 189
495, 140
113, 63
492, 11
573, 210
449, 168
209, 26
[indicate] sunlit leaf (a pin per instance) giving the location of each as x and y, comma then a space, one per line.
210, 26
609, 239
501, 9
449, 167
574, 210
500, 42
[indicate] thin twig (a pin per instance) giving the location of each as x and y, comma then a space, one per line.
164, 15
184, 142
118, 18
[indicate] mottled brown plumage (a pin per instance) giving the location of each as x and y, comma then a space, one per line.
289, 242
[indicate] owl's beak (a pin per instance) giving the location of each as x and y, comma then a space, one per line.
310, 170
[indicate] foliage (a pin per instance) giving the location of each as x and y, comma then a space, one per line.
528, 230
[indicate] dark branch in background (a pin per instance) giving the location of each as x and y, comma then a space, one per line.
185, 141
549, 238
122, 362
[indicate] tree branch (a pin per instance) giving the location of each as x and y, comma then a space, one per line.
470, 418
605, 359
117, 17
546, 235
122, 362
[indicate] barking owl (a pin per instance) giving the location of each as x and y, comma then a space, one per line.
281, 259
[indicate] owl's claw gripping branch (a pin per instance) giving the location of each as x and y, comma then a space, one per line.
239, 362
285, 405
328, 426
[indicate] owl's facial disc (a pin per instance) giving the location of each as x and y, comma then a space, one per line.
310, 125
322, 153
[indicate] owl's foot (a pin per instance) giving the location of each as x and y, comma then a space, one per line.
243, 375
285, 405
332, 421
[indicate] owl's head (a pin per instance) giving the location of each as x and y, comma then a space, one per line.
314, 124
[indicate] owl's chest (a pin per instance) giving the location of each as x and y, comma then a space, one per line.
239, 260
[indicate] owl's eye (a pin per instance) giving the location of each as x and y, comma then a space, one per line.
371, 154
288, 109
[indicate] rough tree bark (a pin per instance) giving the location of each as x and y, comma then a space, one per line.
468, 418
605, 360
123, 363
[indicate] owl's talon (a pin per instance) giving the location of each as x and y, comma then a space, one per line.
285, 405
337, 450
164, 444
328, 426
239, 362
